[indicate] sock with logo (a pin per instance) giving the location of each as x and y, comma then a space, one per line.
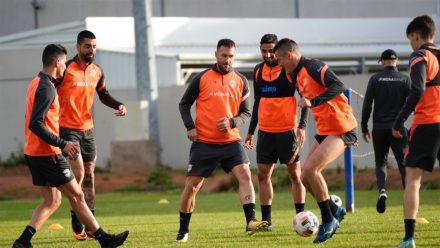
27, 235
184, 222
299, 207
249, 212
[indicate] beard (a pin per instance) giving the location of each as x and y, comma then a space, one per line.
271, 63
87, 58
224, 68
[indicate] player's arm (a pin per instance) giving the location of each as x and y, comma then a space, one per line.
244, 112
257, 95
325, 77
418, 86
366, 107
188, 99
107, 99
44, 97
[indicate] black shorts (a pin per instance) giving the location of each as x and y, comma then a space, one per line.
50, 171
272, 147
349, 138
85, 139
424, 146
204, 158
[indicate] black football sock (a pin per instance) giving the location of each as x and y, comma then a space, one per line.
326, 213
333, 207
100, 234
76, 224
299, 207
266, 213
249, 212
184, 222
27, 235
410, 225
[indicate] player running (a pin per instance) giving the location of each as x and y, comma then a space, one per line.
51, 173
77, 91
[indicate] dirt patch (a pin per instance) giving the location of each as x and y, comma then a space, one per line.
16, 182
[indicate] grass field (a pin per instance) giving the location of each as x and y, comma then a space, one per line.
219, 222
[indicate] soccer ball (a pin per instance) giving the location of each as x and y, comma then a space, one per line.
336, 199
305, 224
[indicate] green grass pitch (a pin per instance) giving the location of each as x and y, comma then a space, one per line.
219, 222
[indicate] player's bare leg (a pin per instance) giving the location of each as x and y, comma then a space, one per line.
51, 202
298, 190
247, 198
187, 205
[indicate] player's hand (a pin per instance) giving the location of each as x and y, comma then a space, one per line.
301, 136
303, 103
223, 124
366, 137
192, 135
121, 111
249, 143
71, 149
396, 134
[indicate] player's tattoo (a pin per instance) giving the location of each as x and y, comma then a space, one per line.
247, 198
88, 188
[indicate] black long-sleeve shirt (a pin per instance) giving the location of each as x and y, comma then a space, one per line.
388, 90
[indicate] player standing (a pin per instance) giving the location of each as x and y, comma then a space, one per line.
279, 135
222, 97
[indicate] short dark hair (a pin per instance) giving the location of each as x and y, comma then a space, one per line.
226, 43
85, 34
286, 45
423, 25
51, 53
269, 39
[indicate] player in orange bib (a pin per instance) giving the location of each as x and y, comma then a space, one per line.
279, 136
51, 173
222, 105
424, 99
323, 92
77, 91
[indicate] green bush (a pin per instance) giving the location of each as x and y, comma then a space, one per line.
161, 179
16, 158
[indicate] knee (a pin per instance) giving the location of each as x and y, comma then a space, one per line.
53, 203
89, 170
77, 197
295, 177
263, 176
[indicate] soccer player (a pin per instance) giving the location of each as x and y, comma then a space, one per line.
275, 112
388, 90
76, 91
323, 92
424, 100
51, 173
222, 106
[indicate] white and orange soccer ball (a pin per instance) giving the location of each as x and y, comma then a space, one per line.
305, 224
